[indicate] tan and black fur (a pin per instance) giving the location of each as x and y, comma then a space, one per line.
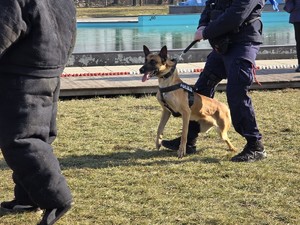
206, 111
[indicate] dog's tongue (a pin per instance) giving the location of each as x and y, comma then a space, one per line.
145, 77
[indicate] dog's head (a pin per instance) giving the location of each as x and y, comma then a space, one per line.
156, 64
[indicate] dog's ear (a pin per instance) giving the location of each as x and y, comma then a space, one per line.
146, 50
163, 53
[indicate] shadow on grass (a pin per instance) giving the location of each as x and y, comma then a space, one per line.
134, 157
3, 165
4, 212
137, 157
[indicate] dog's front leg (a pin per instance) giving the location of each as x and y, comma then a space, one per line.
163, 121
185, 126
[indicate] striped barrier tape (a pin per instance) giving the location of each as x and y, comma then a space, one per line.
188, 70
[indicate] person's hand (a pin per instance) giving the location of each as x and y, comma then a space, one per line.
198, 35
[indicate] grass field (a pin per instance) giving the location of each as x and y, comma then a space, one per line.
106, 147
107, 152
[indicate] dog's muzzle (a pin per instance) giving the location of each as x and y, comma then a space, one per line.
142, 70
148, 74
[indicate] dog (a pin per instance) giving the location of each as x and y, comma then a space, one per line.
179, 99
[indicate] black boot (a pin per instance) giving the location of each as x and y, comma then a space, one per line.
16, 206
194, 129
52, 215
253, 151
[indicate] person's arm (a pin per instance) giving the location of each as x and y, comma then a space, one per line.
289, 6
11, 24
231, 19
205, 15
203, 21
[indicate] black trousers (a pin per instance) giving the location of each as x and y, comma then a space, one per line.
28, 108
297, 37
237, 67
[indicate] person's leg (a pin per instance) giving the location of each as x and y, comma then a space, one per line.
214, 71
27, 109
240, 64
193, 130
52, 127
21, 202
205, 85
297, 38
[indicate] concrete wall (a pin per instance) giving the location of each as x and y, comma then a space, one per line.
193, 55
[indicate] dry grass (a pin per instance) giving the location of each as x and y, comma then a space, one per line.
107, 152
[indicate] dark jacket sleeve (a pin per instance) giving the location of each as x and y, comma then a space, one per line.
231, 19
205, 15
36, 37
11, 24
295, 13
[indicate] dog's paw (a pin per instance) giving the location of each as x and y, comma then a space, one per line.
158, 144
233, 149
181, 152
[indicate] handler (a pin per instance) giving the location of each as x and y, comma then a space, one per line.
234, 30
36, 39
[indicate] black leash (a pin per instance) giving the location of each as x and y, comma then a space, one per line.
190, 45
187, 48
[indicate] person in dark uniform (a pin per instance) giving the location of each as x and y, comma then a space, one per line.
36, 40
234, 30
293, 8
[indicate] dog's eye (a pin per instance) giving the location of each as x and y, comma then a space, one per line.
153, 62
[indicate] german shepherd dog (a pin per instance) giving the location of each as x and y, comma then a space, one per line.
179, 99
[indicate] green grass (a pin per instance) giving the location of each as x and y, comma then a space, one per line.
107, 152
116, 11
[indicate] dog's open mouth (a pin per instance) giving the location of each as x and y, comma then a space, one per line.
148, 75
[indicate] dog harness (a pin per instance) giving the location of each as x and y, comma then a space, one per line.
182, 85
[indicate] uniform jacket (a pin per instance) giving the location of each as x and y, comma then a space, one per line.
295, 12
233, 19
36, 36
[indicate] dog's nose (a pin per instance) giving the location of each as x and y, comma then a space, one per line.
142, 70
